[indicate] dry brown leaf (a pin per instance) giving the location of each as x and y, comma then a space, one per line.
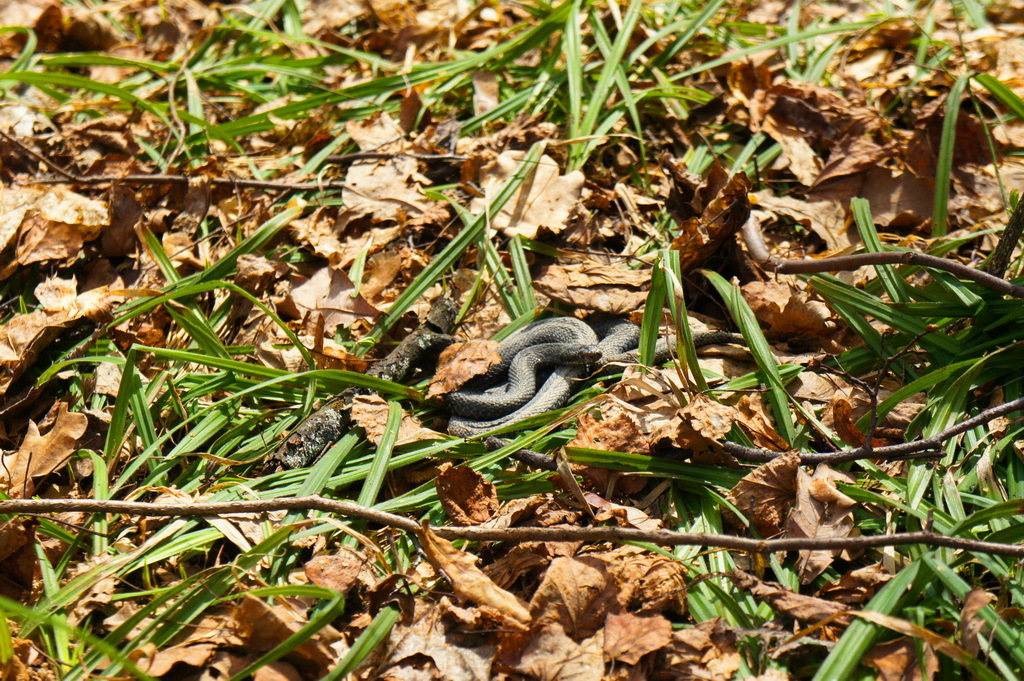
826, 218
326, 15
551, 655
467, 580
451, 651
577, 593
648, 582
195, 206
757, 423
262, 628
341, 239
485, 92
339, 571
907, 628
592, 286
371, 412
281, 353
386, 189
466, 496
705, 424
624, 516
704, 651
628, 637
616, 431
160, 662
524, 559
898, 199
804, 609
821, 510
900, 660
27, 663
973, 627
57, 224
766, 494
856, 586
785, 306
326, 292
39, 455
543, 201
460, 362
724, 209
19, 565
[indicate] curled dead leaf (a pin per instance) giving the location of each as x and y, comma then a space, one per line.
468, 581
467, 497
460, 362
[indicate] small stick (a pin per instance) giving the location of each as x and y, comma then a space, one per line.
759, 252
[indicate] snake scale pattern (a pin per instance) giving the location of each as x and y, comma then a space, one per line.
541, 367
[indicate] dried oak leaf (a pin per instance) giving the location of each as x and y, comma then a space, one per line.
628, 637
39, 455
466, 496
721, 218
705, 423
437, 643
552, 655
327, 292
855, 586
386, 188
460, 362
804, 609
577, 593
826, 217
787, 308
973, 628
468, 581
900, 660
371, 412
58, 223
648, 582
616, 431
624, 516
524, 559
821, 510
592, 286
485, 92
340, 571
544, 201
19, 565
262, 627
766, 494
706, 650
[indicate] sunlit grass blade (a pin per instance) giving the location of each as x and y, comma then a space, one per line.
944, 160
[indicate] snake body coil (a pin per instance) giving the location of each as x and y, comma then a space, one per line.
556, 354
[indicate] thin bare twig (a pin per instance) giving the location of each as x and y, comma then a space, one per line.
143, 179
759, 252
890, 452
513, 534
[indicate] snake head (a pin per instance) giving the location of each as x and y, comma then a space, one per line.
591, 357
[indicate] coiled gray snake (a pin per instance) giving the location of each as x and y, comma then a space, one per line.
556, 353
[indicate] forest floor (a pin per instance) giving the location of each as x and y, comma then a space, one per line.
217, 218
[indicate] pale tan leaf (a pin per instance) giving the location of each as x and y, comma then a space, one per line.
467, 580
543, 202
39, 455
371, 412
